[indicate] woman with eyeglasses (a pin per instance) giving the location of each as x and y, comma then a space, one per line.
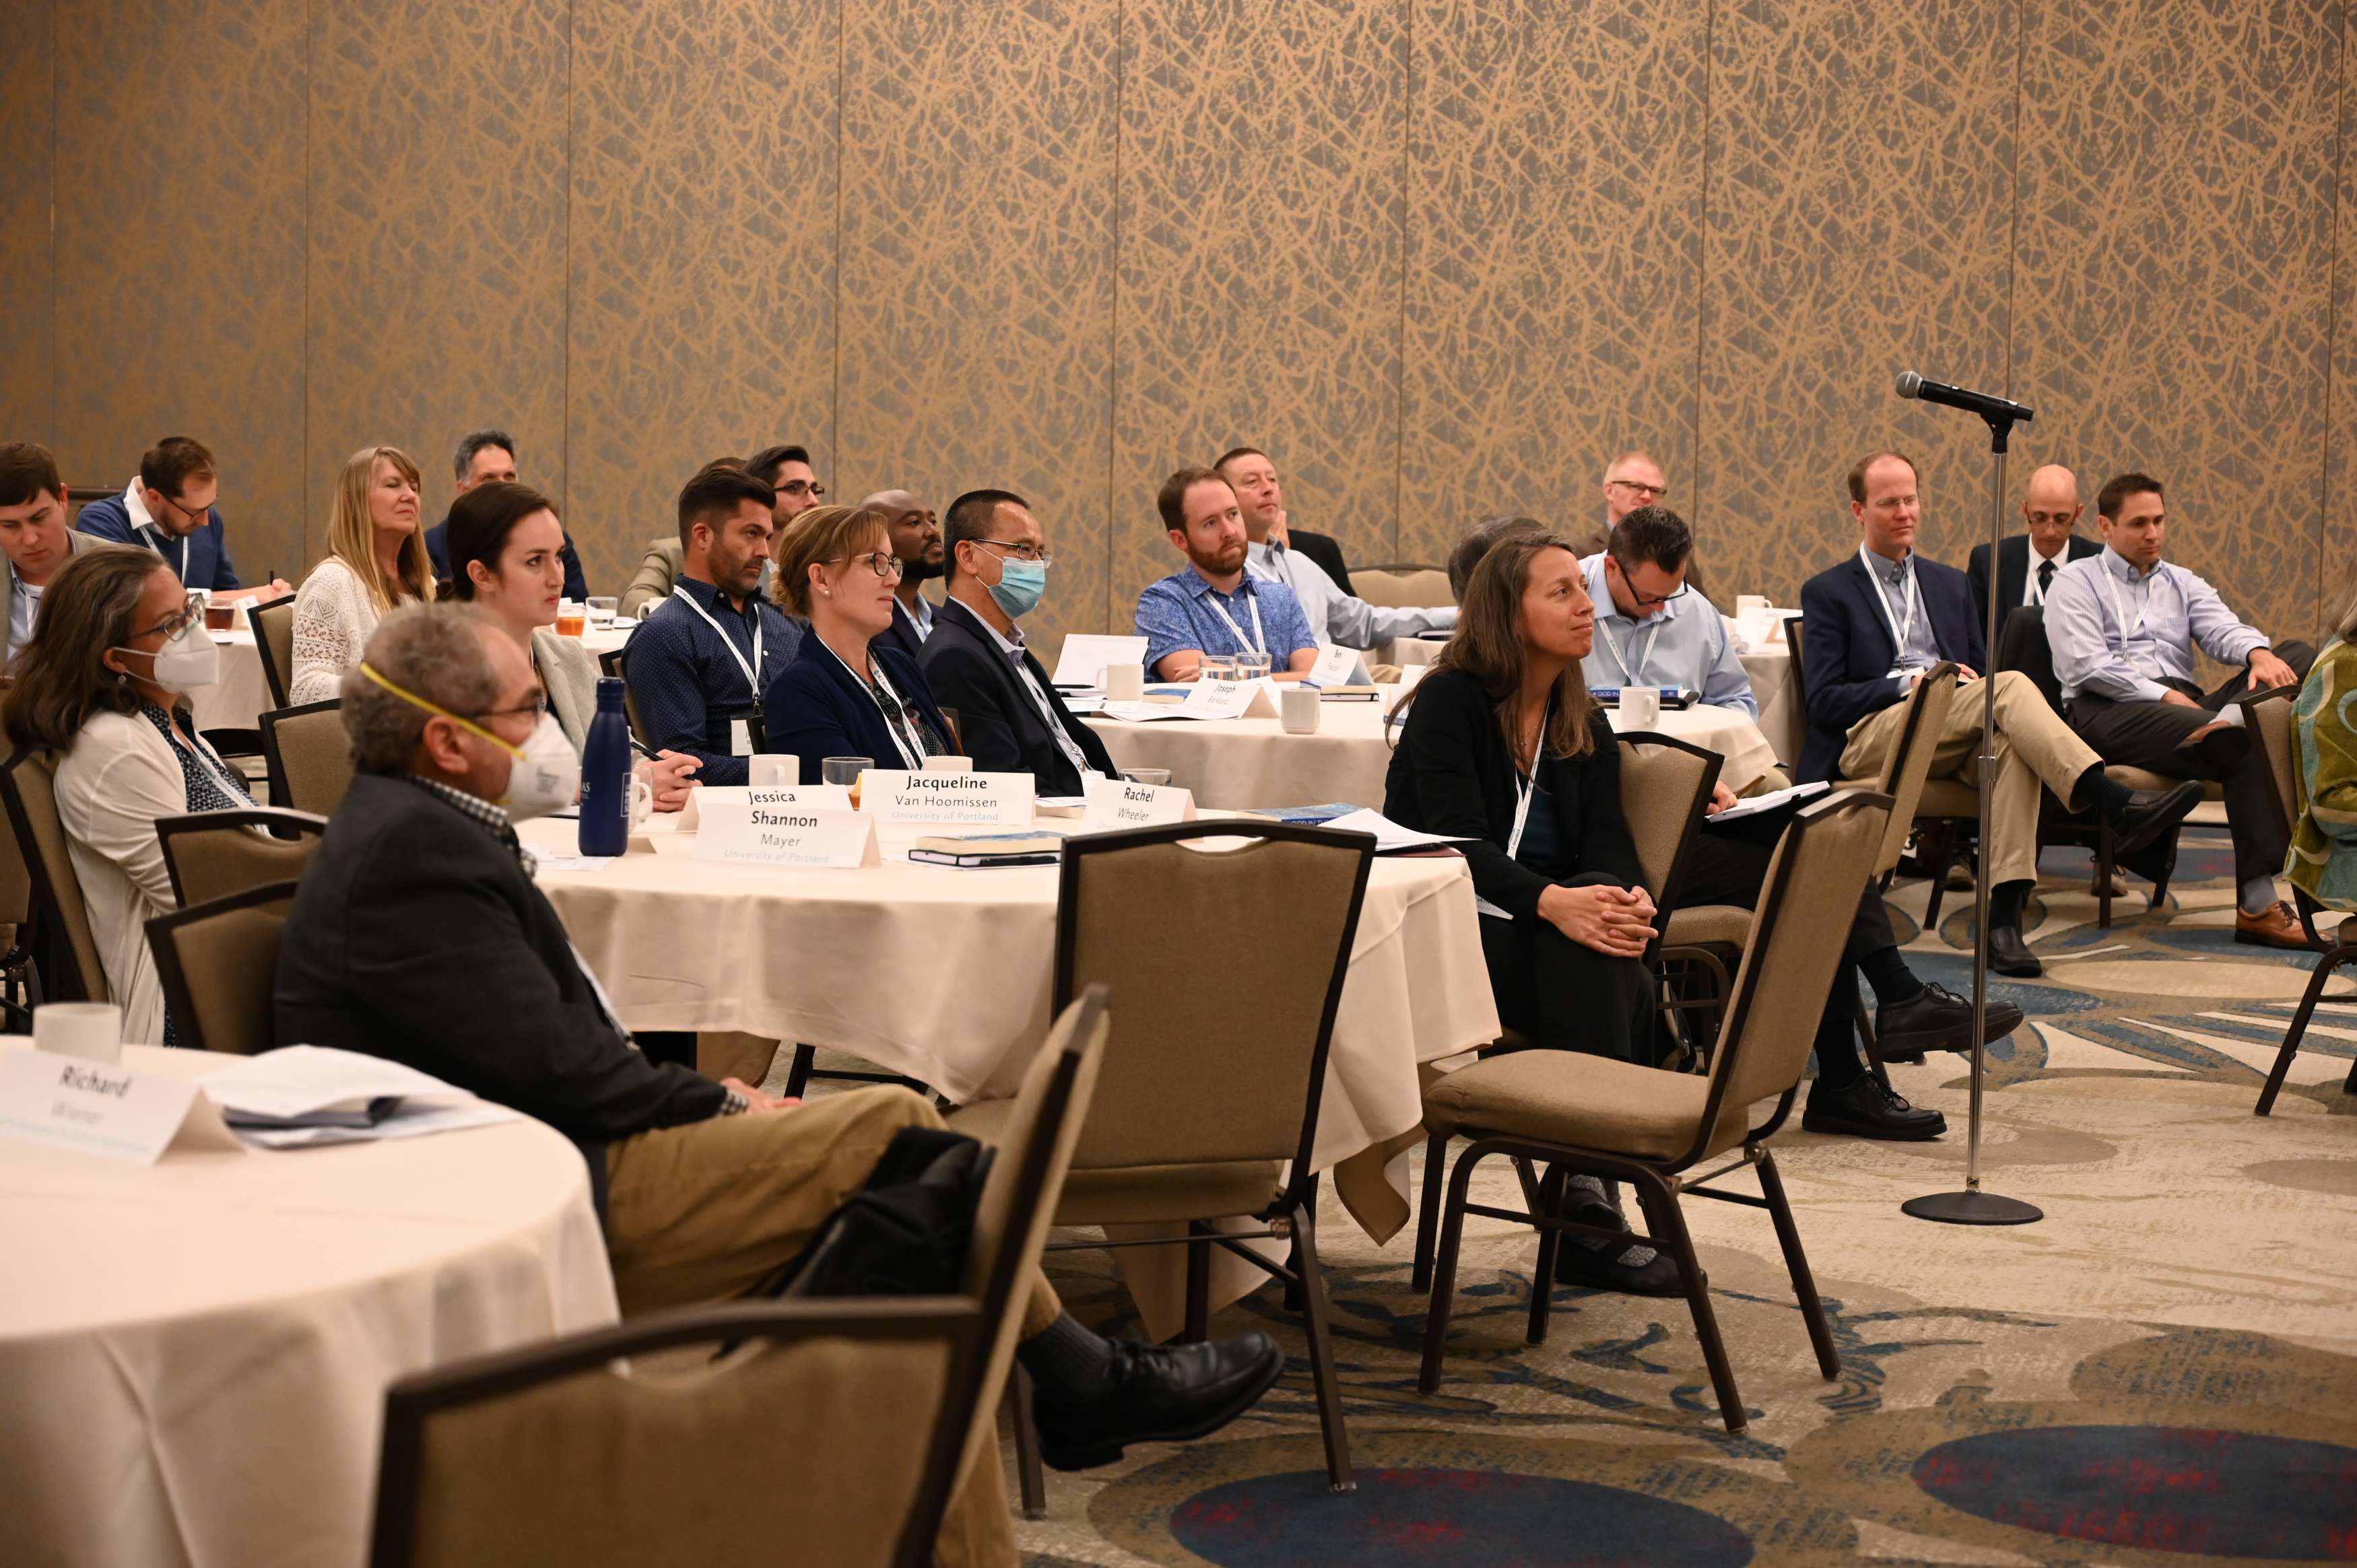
847, 696
103, 687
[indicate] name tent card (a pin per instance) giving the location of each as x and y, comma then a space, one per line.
1337, 666
824, 796
958, 799
1082, 660
68, 1103
784, 833
1230, 700
1118, 803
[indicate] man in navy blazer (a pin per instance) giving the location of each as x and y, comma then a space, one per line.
2050, 508
1872, 626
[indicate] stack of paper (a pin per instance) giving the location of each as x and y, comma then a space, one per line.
1390, 837
313, 1094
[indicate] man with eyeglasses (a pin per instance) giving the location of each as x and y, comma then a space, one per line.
487, 457
169, 509
1630, 481
785, 469
2027, 562
916, 538
1654, 630
978, 661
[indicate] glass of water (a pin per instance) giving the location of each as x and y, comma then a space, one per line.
1252, 666
601, 611
1218, 667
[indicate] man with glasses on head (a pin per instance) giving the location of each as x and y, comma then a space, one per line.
977, 662
485, 457
169, 509
916, 536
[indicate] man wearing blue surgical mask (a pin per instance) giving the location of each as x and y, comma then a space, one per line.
976, 660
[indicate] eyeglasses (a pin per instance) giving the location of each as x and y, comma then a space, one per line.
1651, 492
1655, 601
883, 562
536, 707
179, 620
194, 514
1025, 551
810, 487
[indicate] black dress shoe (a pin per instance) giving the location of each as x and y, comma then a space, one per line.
1867, 1110
1593, 1268
1157, 1393
2009, 954
2152, 812
2216, 747
1937, 1020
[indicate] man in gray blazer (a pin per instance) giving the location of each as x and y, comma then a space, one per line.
34, 535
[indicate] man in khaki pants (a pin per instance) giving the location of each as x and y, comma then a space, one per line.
417, 934
1872, 626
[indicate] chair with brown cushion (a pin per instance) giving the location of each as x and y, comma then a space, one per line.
595, 1450
65, 949
20, 981
1402, 584
309, 756
273, 639
217, 962
1210, 1090
211, 854
2274, 736
1666, 789
1582, 1113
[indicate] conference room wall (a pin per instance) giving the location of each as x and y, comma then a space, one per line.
1439, 257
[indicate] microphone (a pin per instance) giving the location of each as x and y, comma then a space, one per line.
1983, 404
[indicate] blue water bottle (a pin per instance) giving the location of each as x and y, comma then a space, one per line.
606, 766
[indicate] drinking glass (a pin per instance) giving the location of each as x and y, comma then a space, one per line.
1252, 666
570, 618
846, 772
602, 610
1157, 777
1218, 667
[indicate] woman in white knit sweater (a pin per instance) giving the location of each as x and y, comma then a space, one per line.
376, 562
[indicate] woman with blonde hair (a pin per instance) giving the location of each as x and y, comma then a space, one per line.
376, 562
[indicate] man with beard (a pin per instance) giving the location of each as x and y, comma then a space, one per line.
916, 536
1213, 605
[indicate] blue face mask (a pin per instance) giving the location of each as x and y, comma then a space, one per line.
1019, 587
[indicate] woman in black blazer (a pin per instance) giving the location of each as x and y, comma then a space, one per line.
843, 696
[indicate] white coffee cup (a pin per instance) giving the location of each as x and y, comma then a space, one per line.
948, 765
91, 1031
767, 767
642, 803
1298, 707
1125, 682
1641, 707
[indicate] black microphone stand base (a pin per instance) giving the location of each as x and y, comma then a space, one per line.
1972, 1208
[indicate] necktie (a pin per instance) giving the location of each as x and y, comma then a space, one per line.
2045, 578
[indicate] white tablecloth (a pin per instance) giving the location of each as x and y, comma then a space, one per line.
1242, 763
194, 1355
238, 695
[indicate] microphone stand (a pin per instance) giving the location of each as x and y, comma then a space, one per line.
1972, 1206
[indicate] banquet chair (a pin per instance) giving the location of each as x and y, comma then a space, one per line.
67, 953
1216, 1065
217, 961
211, 854
20, 981
1666, 789
680, 1463
2274, 735
1650, 1128
610, 662
1402, 584
273, 639
309, 756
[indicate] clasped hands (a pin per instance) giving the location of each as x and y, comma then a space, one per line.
1615, 921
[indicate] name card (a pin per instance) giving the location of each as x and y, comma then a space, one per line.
959, 799
111, 1112
700, 799
1118, 803
1337, 666
1082, 660
750, 832
1230, 699
1409, 675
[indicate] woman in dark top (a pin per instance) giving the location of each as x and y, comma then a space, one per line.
1566, 916
846, 695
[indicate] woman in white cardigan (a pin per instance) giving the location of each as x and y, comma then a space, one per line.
103, 688
376, 562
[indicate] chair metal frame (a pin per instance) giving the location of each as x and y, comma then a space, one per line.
276, 679
272, 760
173, 975
279, 822
1658, 1183
1687, 959
2340, 951
53, 926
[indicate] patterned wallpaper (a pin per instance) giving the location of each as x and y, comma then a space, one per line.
1440, 257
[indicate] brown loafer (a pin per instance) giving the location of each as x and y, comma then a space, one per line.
2277, 926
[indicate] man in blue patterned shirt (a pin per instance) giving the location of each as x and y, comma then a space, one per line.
1213, 605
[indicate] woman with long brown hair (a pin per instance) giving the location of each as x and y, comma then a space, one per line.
376, 562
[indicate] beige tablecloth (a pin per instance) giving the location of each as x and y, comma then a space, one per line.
194, 1355
239, 694
1241, 764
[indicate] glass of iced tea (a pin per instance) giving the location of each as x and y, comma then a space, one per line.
571, 617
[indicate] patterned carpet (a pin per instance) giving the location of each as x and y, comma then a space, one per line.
2164, 1370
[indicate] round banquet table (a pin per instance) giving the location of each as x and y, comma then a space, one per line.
194, 1354
238, 695
1244, 764
943, 976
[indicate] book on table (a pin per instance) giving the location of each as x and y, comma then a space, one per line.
989, 849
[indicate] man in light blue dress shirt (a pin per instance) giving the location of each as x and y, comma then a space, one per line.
1213, 605
2123, 625
1652, 629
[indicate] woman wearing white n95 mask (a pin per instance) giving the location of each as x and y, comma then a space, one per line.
102, 686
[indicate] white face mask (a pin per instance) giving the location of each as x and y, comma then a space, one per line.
187, 661
546, 774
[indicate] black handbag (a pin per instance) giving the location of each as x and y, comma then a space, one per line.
905, 1231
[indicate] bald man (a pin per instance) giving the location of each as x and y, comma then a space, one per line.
915, 535
2027, 562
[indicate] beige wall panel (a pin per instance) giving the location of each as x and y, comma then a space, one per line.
976, 290
2336, 559
1859, 219
703, 253
437, 237
28, 294
1555, 247
2174, 302
1262, 185
179, 215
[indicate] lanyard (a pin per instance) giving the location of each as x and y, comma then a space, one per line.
1632, 670
156, 546
1899, 633
911, 747
1259, 641
2120, 608
1526, 785
729, 643
209, 762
